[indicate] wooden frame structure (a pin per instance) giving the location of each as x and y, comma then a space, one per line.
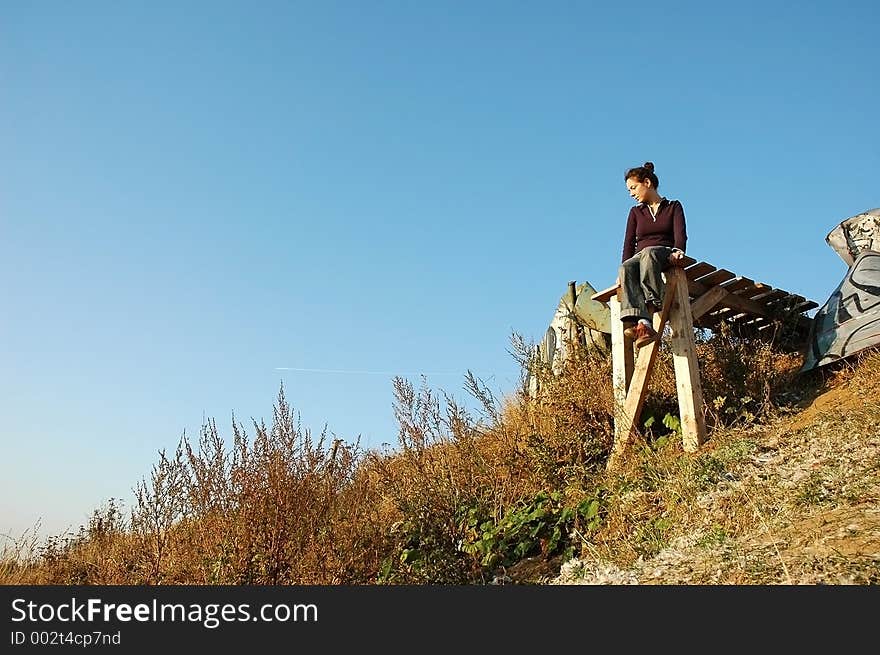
697, 295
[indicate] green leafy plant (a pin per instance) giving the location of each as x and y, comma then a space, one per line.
671, 422
542, 525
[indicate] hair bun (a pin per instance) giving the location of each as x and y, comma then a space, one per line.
649, 165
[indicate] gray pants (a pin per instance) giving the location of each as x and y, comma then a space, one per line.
641, 282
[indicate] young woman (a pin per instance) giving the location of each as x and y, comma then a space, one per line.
655, 238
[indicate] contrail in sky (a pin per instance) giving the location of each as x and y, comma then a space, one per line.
331, 370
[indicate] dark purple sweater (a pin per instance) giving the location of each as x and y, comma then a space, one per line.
643, 230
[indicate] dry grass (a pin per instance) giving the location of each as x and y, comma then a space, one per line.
785, 491
779, 502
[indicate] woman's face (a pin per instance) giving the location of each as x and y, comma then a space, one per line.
638, 190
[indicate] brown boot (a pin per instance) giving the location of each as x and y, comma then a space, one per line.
641, 334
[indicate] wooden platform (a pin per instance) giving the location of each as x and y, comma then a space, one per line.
697, 294
718, 295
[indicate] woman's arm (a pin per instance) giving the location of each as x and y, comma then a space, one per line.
629, 239
679, 228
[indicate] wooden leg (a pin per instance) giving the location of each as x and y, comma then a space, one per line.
687, 370
635, 396
621, 362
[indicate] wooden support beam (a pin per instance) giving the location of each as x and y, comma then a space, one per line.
635, 396
687, 370
744, 304
707, 301
621, 362
732, 304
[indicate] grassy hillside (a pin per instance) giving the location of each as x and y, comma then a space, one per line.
792, 500
786, 490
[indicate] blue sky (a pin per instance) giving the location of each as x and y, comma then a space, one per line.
195, 196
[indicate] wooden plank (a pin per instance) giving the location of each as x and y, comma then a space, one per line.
760, 326
745, 324
763, 326
635, 396
714, 319
605, 294
765, 300
698, 270
770, 301
719, 276
755, 322
794, 303
621, 361
805, 306
791, 304
695, 289
743, 304
707, 301
736, 301
742, 318
783, 304
737, 283
687, 370
750, 325
757, 289
762, 329
747, 291
769, 297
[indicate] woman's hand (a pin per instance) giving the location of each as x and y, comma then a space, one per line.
676, 258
